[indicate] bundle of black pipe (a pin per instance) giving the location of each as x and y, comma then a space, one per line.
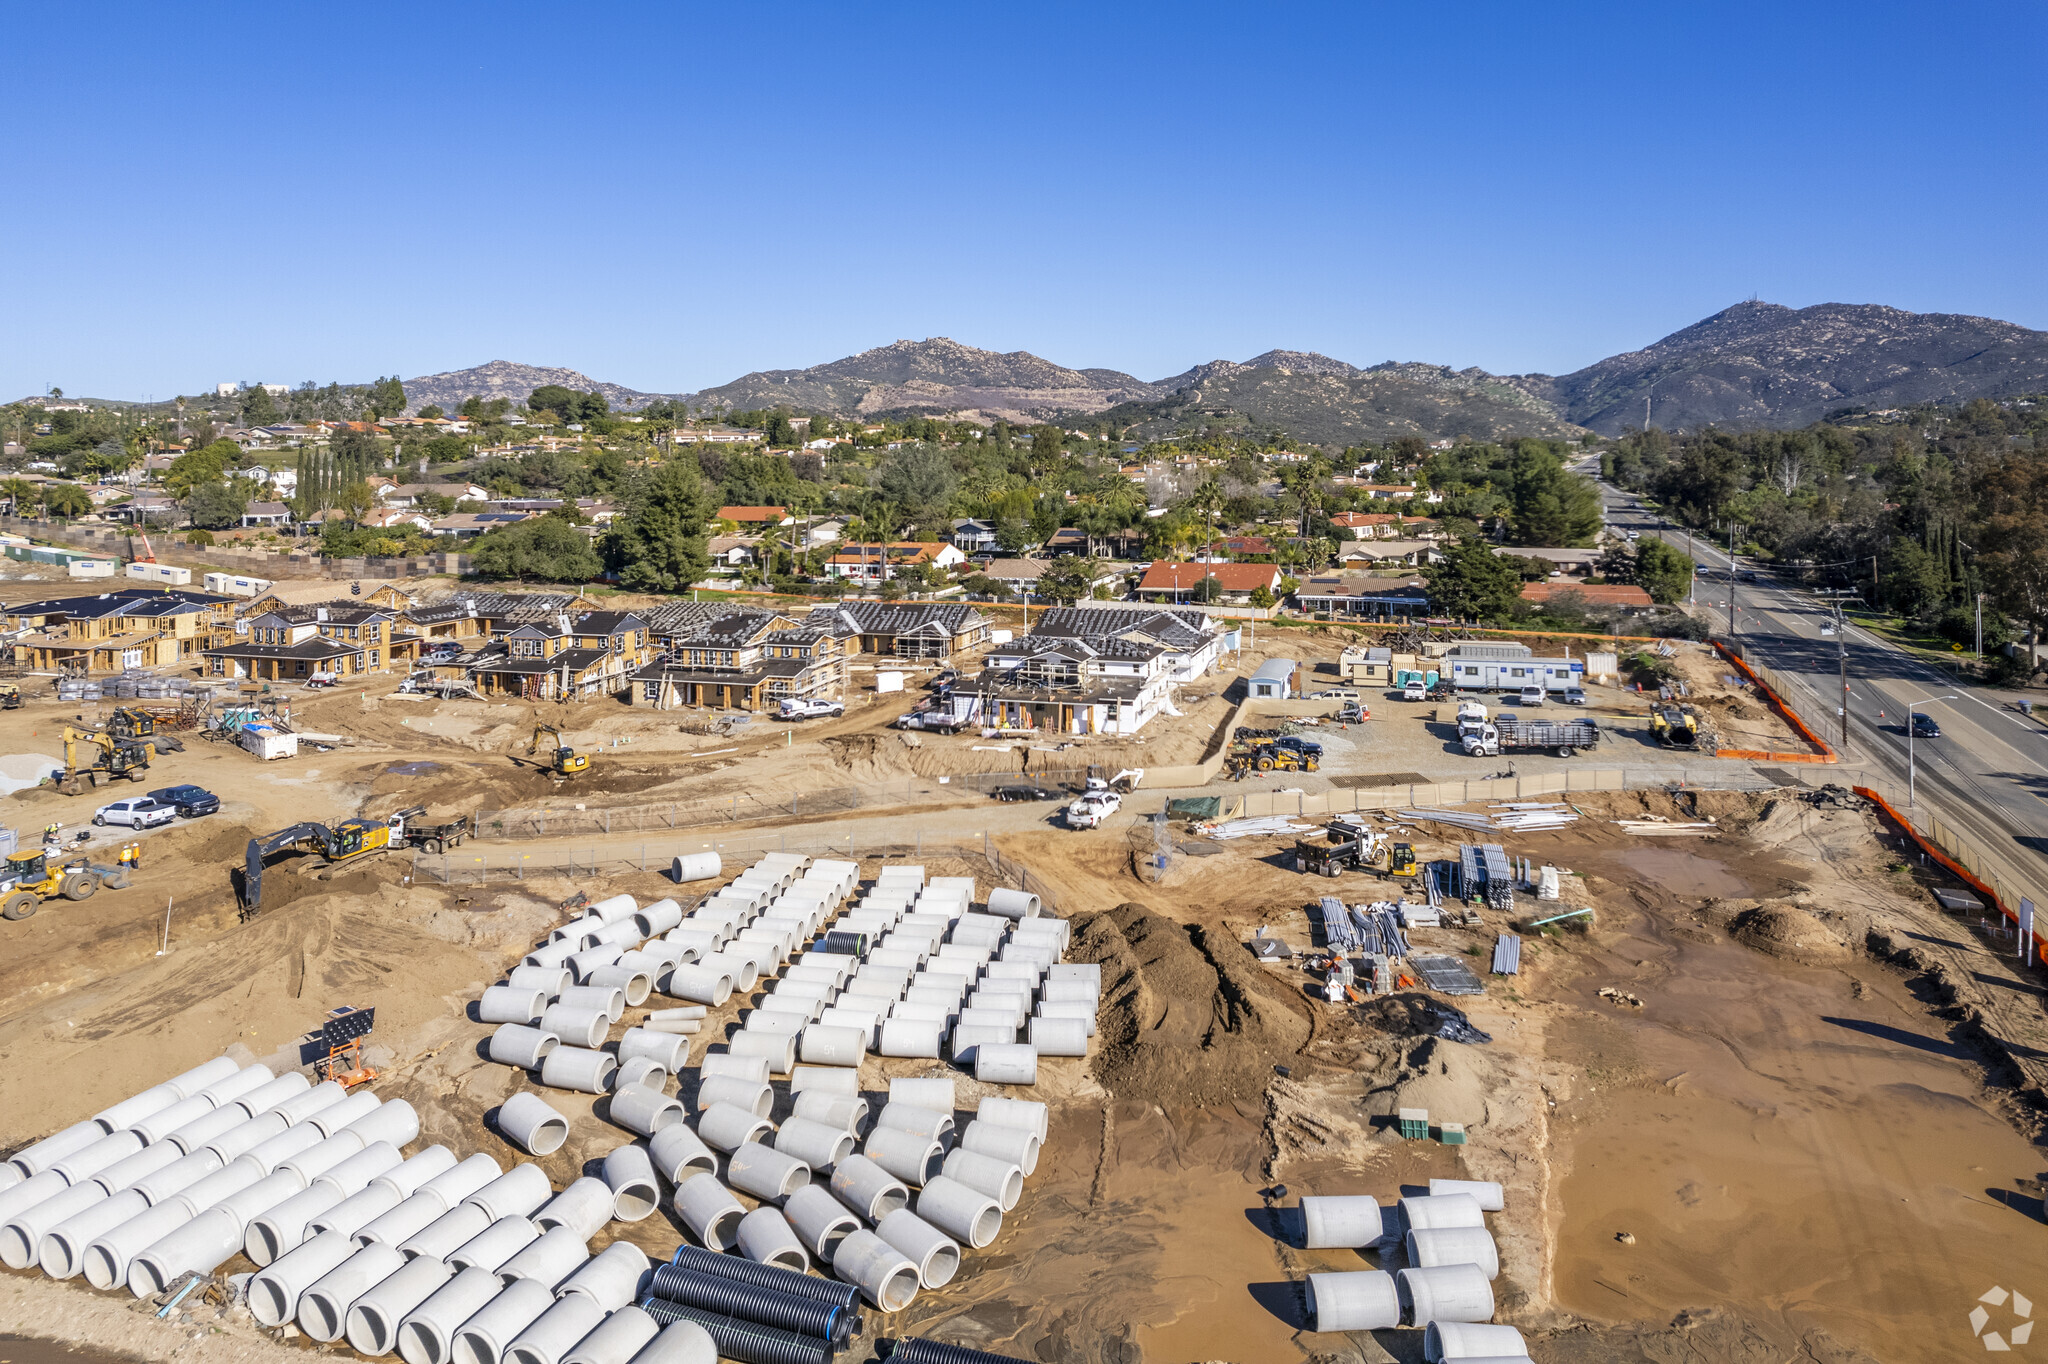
782, 1280
844, 943
749, 1342
916, 1350
770, 1307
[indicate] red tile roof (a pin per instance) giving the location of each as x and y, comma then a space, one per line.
752, 513
1168, 576
1595, 594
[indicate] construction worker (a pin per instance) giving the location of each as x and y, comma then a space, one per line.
131, 855
53, 833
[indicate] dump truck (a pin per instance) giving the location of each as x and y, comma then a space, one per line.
1510, 733
1349, 848
410, 829
1675, 727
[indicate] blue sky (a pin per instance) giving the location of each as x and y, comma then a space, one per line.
668, 196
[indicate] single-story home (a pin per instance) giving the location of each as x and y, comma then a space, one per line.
1175, 581
876, 563
1570, 560
756, 517
1350, 594
267, 514
1593, 594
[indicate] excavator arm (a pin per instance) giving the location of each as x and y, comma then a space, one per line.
260, 848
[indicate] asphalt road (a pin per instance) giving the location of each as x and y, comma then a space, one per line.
1987, 774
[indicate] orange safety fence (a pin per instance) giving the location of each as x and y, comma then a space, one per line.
1962, 873
1778, 703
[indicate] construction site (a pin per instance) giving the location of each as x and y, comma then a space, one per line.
1328, 1039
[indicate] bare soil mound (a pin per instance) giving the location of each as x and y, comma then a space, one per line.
1782, 929
1187, 1017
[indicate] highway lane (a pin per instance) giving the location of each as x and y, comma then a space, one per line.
1987, 774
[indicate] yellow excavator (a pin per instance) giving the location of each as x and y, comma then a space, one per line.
344, 843
108, 757
564, 761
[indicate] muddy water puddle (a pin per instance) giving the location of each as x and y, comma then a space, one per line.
1794, 1148
1679, 872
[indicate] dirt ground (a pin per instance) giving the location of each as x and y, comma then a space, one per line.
1796, 1129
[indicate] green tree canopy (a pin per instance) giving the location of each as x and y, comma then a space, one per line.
546, 548
66, 499
567, 403
203, 465
659, 542
1069, 578
1473, 583
386, 398
1665, 573
215, 506
918, 478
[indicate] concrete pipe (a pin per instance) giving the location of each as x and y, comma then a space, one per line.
324, 1307
700, 866
829, 1046
519, 1192
408, 1176
1019, 1146
765, 1172
334, 1117
945, 994
677, 1150
828, 1079
819, 1220
794, 1003
510, 1004
353, 1175
753, 1069
659, 918
967, 1215
908, 1117
910, 1156
61, 1252
301, 1107
977, 1016
448, 1233
1355, 1300
629, 1174
1430, 1212
1069, 992
273, 1092
529, 1123
223, 1183
1431, 1248
374, 1315
454, 1185
770, 1021
611, 909
200, 1246
1076, 970
321, 1157
1486, 1192
609, 1000
757, 1097
936, 1255
495, 1244
737, 960
912, 1037
226, 1131
710, 1211
1341, 1221
124, 1173
179, 1175
625, 934
405, 1221
1031, 1114
555, 952
578, 1068
270, 1153
354, 1213
681, 1027
611, 1278
766, 1237
159, 1124
259, 1198
516, 1044
583, 1208
1024, 973
547, 1259
274, 1293
1013, 904
970, 1038
999, 1179
843, 1111
88, 1161
863, 1021
671, 1049
549, 980
1084, 1013
285, 1227
618, 1339
1014, 1064
695, 943
636, 983
1458, 1293
885, 1276
683, 1013
710, 985
199, 1077
590, 958
863, 1185
818, 1145
640, 1070
33, 1160
21, 1238
727, 1127
1015, 1003
427, 1334
229, 1088
555, 1332
1460, 1340
780, 1051
646, 1111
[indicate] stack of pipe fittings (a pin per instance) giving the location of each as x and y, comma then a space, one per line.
1445, 1289
439, 1258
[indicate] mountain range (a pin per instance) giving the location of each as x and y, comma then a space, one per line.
1753, 365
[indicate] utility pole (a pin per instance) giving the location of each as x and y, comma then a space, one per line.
1731, 580
1980, 629
1842, 665
1692, 588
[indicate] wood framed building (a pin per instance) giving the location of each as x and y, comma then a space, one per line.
748, 659
113, 631
934, 630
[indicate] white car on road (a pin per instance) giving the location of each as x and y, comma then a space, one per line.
137, 812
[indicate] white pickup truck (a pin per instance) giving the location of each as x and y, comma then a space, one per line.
1093, 806
808, 708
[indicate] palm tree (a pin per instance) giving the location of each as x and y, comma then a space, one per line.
20, 494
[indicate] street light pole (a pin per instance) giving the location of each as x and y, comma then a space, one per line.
1842, 666
1731, 580
1910, 771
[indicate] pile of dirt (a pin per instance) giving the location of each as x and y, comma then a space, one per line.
1448, 1079
1781, 928
1187, 1017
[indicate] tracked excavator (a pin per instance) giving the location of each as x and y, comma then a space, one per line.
348, 842
563, 761
107, 757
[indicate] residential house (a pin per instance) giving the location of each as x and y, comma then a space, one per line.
113, 631
939, 630
974, 537
1173, 581
338, 638
469, 525
1567, 560
1128, 543
153, 507
409, 494
750, 659
1193, 640
824, 533
734, 551
592, 654
755, 517
674, 621
1408, 553
396, 518
1359, 595
1090, 670
1592, 594
873, 563
1230, 547
267, 514
713, 435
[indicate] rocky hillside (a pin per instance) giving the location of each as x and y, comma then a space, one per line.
1762, 364
504, 379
